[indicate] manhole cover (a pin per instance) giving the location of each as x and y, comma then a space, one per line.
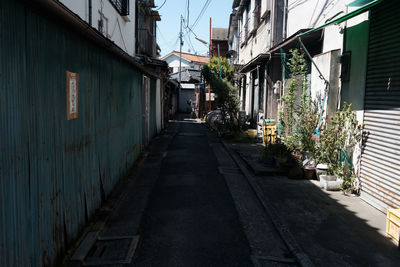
112, 250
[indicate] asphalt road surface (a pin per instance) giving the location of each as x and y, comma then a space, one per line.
190, 219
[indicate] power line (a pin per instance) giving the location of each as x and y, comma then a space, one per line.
190, 41
161, 5
205, 6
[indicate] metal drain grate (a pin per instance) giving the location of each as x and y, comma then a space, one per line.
112, 250
261, 261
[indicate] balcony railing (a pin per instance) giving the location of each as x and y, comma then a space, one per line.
122, 6
146, 43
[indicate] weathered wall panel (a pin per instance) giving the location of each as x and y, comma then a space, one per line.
54, 172
153, 101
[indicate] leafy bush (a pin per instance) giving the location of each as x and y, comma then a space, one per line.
226, 93
341, 134
298, 121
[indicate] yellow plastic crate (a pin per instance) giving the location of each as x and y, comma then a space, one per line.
393, 224
252, 133
270, 132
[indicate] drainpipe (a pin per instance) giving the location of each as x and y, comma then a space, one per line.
90, 12
285, 15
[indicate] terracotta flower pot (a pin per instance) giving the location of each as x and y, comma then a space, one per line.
309, 172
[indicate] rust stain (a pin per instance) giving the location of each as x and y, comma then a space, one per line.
78, 147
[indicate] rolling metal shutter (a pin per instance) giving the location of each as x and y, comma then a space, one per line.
380, 162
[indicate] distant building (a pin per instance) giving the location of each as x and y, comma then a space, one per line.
189, 61
219, 36
190, 76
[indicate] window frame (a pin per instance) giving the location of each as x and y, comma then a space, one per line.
122, 6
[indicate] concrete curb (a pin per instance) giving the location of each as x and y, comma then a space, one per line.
280, 226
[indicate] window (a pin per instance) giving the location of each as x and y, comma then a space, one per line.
122, 6
256, 13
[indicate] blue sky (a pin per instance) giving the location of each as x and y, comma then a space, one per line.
168, 27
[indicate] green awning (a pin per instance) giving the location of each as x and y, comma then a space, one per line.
364, 5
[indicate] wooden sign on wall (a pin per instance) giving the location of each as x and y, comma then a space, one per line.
72, 95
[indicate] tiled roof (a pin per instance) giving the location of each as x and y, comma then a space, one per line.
191, 57
187, 75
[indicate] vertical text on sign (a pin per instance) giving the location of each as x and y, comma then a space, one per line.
72, 95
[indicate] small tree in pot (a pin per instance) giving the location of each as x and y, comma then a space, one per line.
298, 116
340, 136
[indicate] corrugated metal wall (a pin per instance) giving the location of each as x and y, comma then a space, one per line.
153, 117
54, 172
380, 164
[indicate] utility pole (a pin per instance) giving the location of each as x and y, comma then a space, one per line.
180, 51
209, 58
180, 62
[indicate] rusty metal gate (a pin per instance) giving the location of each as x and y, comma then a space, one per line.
380, 163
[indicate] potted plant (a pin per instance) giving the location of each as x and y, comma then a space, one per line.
297, 116
337, 141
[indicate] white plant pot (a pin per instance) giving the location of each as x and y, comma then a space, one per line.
321, 169
330, 182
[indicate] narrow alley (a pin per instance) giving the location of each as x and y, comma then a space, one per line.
185, 204
190, 219
199, 133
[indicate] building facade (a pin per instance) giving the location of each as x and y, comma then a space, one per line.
78, 110
189, 76
219, 41
350, 46
189, 61
115, 19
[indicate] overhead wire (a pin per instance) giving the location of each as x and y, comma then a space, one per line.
161, 5
205, 6
187, 38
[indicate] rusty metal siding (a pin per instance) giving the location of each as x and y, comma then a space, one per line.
380, 164
54, 173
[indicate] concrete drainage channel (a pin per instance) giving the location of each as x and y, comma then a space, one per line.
95, 251
112, 241
260, 220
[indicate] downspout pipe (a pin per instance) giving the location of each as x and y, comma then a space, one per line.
90, 12
327, 86
61, 12
321, 76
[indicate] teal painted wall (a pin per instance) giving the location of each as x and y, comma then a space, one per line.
54, 173
356, 41
153, 119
